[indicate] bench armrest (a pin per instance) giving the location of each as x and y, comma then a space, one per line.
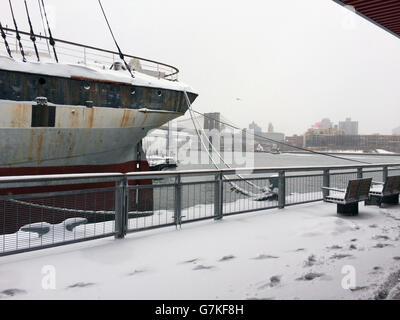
333, 189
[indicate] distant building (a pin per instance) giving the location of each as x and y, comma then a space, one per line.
367, 143
326, 123
255, 127
322, 131
270, 128
349, 127
295, 141
277, 136
213, 121
396, 131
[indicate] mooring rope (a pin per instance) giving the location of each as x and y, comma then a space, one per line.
67, 210
234, 187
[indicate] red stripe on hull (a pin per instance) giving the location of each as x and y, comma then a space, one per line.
31, 171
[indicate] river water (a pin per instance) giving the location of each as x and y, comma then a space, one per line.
199, 191
261, 160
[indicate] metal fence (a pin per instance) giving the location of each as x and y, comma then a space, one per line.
46, 211
76, 53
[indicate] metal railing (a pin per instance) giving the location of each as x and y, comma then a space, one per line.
72, 52
34, 218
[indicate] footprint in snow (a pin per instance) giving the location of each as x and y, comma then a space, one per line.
273, 282
311, 260
377, 270
373, 226
396, 258
300, 250
340, 256
310, 276
201, 267
136, 272
227, 258
382, 245
380, 237
264, 257
12, 292
359, 288
190, 261
81, 285
353, 247
334, 247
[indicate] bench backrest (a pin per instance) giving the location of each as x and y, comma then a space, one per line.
358, 190
352, 190
391, 185
365, 187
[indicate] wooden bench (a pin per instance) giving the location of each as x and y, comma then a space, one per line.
347, 200
385, 192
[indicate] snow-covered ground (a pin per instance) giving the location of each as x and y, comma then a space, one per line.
304, 251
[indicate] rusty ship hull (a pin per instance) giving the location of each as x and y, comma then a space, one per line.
88, 123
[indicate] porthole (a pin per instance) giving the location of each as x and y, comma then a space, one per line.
133, 91
86, 86
42, 81
159, 93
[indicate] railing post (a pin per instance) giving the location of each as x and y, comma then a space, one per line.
218, 196
385, 173
359, 173
178, 201
282, 190
326, 183
121, 208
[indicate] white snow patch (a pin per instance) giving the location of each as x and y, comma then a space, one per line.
77, 70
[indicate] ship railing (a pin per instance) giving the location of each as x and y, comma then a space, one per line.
76, 53
38, 212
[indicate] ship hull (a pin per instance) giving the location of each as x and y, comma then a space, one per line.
83, 140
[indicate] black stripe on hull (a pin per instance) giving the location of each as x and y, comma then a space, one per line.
19, 86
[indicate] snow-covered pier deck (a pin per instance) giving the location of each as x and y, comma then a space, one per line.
300, 252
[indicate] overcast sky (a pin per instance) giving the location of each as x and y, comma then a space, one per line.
290, 62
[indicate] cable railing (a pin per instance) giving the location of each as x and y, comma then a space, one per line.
124, 204
76, 53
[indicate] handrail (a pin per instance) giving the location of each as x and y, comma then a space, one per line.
152, 174
176, 70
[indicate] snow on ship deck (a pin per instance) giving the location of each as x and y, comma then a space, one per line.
298, 252
71, 70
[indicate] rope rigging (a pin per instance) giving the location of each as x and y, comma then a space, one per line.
52, 42
32, 34
44, 28
3, 35
121, 55
265, 193
212, 146
18, 36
